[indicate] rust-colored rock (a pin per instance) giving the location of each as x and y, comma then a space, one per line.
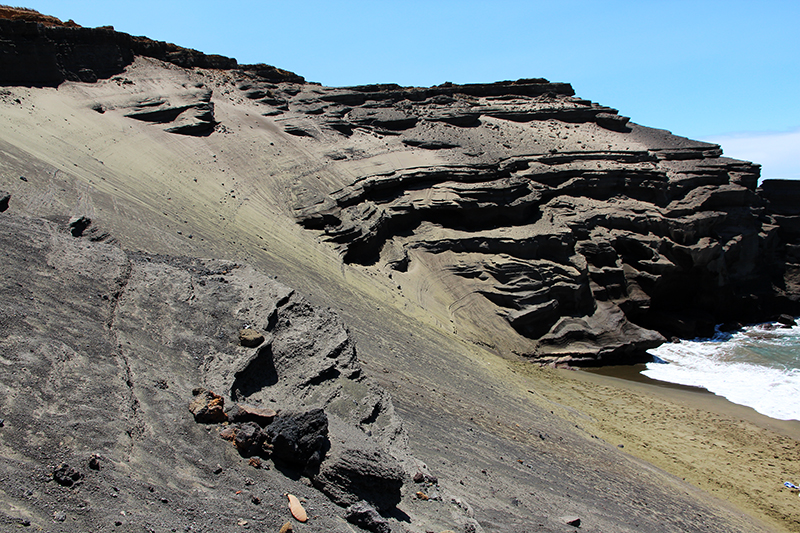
207, 407
229, 433
246, 413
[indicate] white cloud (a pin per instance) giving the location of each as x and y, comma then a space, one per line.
777, 153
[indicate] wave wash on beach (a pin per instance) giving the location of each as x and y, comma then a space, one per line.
758, 367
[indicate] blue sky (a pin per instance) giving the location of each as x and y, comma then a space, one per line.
724, 71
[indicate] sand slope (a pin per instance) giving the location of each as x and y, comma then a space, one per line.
502, 440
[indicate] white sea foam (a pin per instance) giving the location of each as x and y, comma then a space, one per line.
757, 367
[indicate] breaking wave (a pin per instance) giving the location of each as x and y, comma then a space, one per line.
758, 367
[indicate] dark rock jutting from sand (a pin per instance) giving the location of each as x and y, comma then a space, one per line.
365, 516
300, 439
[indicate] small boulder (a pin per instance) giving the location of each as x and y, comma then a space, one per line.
786, 320
207, 407
363, 515
250, 338
350, 475
244, 413
299, 438
229, 433
250, 440
573, 521
4, 199
66, 476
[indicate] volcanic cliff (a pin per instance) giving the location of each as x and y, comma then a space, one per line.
446, 226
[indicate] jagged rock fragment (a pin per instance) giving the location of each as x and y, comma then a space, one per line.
353, 474
66, 476
250, 440
299, 438
363, 515
245, 413
207, 407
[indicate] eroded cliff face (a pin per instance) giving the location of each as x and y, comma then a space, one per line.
447, 226
525, 219
556, 229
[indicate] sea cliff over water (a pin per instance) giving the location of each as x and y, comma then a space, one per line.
224, 284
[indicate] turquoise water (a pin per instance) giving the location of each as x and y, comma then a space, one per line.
758, 367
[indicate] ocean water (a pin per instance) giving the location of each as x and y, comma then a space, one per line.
758, 366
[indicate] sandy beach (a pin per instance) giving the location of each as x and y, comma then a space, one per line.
729, 451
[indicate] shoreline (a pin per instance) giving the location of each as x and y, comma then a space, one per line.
630, 375
731, 452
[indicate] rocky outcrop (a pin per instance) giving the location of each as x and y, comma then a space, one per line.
590, 255
188, 112
163, 322
42, 51
554, 227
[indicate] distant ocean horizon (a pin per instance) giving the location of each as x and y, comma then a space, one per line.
758, 366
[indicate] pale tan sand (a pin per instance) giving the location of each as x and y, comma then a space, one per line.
728, 450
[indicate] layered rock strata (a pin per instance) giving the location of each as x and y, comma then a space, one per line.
535, 222
593, 238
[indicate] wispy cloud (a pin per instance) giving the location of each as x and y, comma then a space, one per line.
778, 153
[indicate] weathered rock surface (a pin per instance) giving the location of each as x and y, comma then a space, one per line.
300, 438
366, 517
141, 328
244, 413
511, 215
207, 407
591, 252
353, 474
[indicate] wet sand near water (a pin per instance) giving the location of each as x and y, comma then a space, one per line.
730, 451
